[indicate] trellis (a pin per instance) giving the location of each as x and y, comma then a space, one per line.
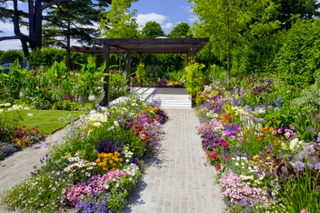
128, 46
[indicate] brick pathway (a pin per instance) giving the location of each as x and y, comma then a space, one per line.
20, 164
176, 179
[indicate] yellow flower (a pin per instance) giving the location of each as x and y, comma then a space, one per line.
255, 157
111, 161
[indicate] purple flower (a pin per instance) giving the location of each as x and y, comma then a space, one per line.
299, 165
269, 107
317, 166
309, 150
277, 109
86, 107
96, 105
260, 120
303, 155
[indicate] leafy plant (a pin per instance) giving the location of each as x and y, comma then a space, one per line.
194, 78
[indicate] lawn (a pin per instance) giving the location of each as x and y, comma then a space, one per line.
47, 120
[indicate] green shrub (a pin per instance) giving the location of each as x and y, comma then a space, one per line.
299, 56
310, 97
47, 56
11, 55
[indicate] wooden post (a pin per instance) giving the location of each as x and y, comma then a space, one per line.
68, 58
140, 60
193, 59
128, 68
106, 85
189, 57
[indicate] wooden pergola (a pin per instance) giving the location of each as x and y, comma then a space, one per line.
128, 46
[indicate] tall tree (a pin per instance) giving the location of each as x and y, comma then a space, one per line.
224, 21
290, 10
152, 29
35, 8
118, 22
182, 30
74, 20
35, 18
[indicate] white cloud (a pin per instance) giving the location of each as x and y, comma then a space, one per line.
192, 19
142, 19
167, 26
10, 45
189, 9
9, 28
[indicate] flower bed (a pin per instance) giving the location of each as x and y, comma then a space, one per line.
98, 164
267, 159
18, 138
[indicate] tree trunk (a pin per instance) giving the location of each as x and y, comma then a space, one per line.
38, 25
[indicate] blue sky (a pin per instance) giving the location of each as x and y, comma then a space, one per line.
168, 13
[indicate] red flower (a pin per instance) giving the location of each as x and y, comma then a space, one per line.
225, 144
224, 160
206, 152
37, 126
218, 165
218, 169
28, 130
23, 127
32, 128
228, 156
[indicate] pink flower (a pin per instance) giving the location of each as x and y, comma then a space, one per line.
126, 174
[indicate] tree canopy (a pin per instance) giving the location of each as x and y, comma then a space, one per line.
74, 20
34, 16
118, 22
152, 29
225, 21
182, 30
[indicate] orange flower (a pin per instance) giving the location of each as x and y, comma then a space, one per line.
263, 129
274, 138
271, 129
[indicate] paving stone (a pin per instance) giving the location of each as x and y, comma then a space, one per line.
180, 183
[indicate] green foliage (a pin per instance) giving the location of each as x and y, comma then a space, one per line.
152, 29
177, 76
288, 11
9, 120
300, 193
47, 56
182, 30
119, 22
1, 52
224, 21
194, 77
298, 58
154, 71
310, 97
141, 73
11, 55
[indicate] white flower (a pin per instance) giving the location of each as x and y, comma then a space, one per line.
88, 174
116, 123
237, 158
26, 108
7, 104
93, 112
97, 124
237, 164
104, 109
29, 114
1, 110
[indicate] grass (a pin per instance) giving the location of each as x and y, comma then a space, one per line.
47, 120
